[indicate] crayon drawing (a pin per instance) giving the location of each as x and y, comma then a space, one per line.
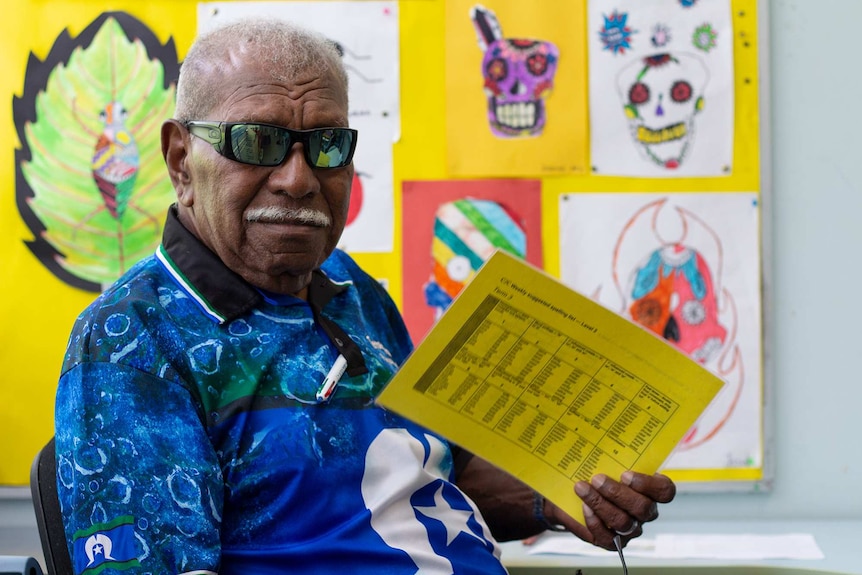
518, 76
515, 89
90, 181
451, 228
685, 267
661, 88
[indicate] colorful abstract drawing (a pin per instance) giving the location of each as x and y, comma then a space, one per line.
518, 75
661, 95
466, 234
675, 291
90, 179
615, 35
451, 227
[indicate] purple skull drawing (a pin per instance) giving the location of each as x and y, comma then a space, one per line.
518, 74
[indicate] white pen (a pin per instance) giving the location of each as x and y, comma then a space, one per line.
332, 378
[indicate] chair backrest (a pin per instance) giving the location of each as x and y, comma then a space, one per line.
46, 504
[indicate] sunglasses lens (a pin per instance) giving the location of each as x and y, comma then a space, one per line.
330, 147
265, 145
258, 144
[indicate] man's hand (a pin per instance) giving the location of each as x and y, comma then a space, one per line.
507, 503
615, 507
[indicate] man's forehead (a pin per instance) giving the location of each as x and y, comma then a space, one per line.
237, 70
251, 61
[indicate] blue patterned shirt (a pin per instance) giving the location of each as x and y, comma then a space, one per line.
190, 439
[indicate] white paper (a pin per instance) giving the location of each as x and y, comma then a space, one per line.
741, 546
661, 87
367, 32
568, 544
605, 238
750, 547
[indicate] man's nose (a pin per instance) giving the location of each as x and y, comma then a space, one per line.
294, 176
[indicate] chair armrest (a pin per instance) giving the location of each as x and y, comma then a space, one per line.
19, 565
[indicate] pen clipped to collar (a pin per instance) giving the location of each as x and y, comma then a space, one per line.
320, 291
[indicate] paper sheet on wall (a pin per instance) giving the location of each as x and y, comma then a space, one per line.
366, 34
516, 103
548, 385
613, 246
661, 83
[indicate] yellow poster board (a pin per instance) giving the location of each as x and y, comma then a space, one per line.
39, 307
52, 149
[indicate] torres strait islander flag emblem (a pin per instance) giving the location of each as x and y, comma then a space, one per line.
106, 545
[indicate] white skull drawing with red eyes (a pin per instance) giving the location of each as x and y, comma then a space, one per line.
661, 95
519, 75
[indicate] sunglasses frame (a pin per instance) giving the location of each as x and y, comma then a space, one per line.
219, 135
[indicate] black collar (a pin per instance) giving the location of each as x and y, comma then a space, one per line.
223, 290
225, 295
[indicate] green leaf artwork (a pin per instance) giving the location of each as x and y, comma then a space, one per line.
96, 178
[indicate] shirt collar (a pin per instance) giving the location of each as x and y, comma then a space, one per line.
221, 293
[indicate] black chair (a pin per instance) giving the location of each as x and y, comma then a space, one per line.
43, 488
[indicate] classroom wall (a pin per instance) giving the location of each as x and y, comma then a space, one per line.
814, 395
815, 202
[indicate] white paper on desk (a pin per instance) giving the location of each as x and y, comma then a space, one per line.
741, 546
568, 544
669, 546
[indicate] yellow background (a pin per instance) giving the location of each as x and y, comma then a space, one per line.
561, 147
37, 310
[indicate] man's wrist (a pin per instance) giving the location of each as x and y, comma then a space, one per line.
539, 514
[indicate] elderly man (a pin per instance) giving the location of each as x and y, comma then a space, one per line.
194, 431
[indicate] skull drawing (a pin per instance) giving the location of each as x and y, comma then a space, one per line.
661, 96
674, 297
466, 233
519, 76
669, 269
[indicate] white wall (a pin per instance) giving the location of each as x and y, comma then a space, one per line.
815, 311
814, 308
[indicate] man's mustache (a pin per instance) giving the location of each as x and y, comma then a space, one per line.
280, 215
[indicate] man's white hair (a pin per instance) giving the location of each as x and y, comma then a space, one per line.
285, 47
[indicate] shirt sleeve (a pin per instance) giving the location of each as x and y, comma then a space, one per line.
138, 480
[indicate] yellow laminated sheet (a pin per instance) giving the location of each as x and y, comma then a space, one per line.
547, 384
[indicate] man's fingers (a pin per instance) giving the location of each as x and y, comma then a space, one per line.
657, 487
601, 534
605, 502
631, 502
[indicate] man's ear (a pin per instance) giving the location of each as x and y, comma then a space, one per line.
175, 148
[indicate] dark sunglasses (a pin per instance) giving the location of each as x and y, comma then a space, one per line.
268, 145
